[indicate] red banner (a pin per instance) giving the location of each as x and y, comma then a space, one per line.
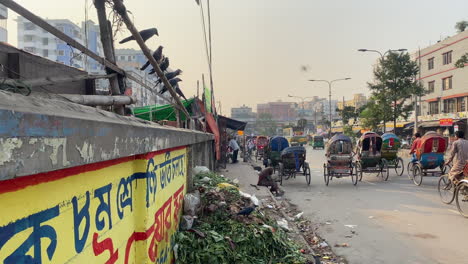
446, 122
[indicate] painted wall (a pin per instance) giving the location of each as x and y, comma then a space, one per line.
124, 210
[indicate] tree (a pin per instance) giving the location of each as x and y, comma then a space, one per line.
395, 83
461, 26
265, 125
371, 115
348, 113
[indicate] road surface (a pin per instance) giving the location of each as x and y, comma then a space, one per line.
383, 222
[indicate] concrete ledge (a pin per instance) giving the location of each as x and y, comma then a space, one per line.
40, 135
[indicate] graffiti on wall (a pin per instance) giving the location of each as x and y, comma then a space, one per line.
118, 211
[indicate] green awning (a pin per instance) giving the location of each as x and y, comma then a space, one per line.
165, 112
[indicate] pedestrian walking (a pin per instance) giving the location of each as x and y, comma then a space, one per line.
235, 149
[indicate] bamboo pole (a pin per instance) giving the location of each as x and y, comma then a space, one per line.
122, 11
108, 47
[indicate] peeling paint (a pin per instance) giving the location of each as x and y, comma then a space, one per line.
86, 152
7, 147
55, 144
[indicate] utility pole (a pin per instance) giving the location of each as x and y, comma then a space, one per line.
416, 123
108, 47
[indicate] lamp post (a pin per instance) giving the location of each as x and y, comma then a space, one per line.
302, 100
329, 97
382, 58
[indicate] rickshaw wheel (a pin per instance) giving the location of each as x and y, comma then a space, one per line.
399, 167
354, 177
281, 173
446, 189
307, 173
358, 171
444, 169
417, 174
325, 174
461, 197
384, 171
409, 170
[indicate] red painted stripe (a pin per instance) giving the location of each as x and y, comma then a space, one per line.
444, 46
30, 180
451, 69
447, 97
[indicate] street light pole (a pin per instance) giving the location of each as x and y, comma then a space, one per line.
329, 98
382, 58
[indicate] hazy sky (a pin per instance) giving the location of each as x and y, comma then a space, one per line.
259, 45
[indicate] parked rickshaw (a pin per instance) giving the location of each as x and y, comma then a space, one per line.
260, 145
430, 158
298, 140
339, 153
317, 142
273, 152
369, 156
293, 162
390, 146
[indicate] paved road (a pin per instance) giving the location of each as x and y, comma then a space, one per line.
394, 221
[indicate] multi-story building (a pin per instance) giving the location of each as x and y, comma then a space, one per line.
92, 36
243, 112
36, 40
446, 85
130, 58
358, 101
280, 111
3, 24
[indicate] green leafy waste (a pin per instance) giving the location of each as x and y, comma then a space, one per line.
230, 239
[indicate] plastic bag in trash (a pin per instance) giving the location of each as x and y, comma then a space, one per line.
191, 203
283, 223
255, 200
186, 222
200, 169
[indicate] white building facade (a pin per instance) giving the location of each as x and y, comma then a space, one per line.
3, 24
446, 85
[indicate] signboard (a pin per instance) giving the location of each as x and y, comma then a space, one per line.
446, 122
455, 128
119, 211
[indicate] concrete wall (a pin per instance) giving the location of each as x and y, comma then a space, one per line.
86, 186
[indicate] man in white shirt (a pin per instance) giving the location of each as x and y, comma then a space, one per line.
235, 149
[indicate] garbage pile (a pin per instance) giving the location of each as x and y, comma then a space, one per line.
224, 225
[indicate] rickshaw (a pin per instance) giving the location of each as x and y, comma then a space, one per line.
298, 140
339, 155
369, 156
260, 145
293, 162
317, 142
272, 156
390, 146
430, 158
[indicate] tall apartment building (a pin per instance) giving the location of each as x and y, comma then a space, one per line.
131, 61
38, 41
3, 24
357, 101
92, 36
280, 111
446, 85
